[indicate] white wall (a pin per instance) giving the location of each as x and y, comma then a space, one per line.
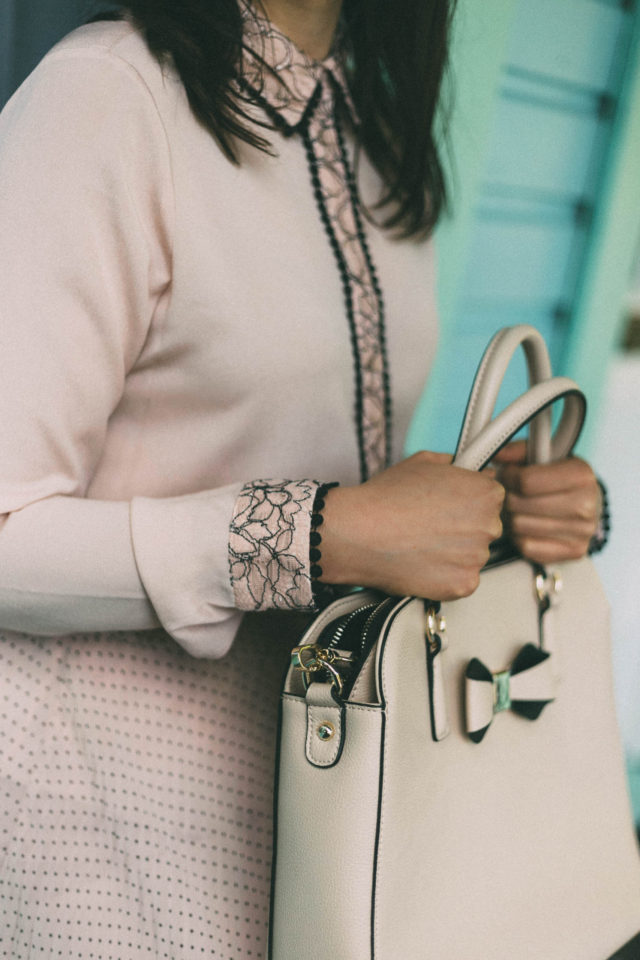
617, 460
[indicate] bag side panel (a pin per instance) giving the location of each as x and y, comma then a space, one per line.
325, 836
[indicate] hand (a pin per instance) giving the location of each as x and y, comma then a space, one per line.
551, 510
422, 527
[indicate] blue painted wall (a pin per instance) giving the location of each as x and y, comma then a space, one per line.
532, 215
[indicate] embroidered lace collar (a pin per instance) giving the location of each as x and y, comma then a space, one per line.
296, 81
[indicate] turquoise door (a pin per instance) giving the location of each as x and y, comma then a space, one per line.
533, 216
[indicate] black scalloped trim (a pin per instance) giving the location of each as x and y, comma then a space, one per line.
348, 295
355, 205
601, 537
323, 593
302, 127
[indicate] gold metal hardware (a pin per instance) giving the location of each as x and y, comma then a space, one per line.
326, 731
311, 659
435, 625
548, 585
304, 658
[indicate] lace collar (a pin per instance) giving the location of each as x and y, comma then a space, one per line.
296, 82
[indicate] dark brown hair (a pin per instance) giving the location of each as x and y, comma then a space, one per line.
397, 59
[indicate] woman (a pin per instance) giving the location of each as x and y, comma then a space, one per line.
193, 293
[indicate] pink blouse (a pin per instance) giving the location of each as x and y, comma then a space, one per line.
175, 333
173, 327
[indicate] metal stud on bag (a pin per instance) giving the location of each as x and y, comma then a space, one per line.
326, 731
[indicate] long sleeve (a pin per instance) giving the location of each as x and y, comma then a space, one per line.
87, 199
85, 254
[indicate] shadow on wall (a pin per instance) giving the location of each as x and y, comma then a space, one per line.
28, 28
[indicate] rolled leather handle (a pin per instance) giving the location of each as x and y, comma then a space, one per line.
488, 380
491, 438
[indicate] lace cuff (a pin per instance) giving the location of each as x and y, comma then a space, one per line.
269, 545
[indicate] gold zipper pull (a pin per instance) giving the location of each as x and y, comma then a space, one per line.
311, 659
435, 626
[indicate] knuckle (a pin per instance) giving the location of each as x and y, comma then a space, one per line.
585, 530
584, 469
509, 477
586, 507
466, 583
473, 581
528, 485
577, 550
526, 546
526, 527
496, 529
457, 591
500, 494
516, 524
417, 459
430, 456
489, 513
480, 556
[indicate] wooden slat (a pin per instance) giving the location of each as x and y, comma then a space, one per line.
518, 260
538, 148
569, 39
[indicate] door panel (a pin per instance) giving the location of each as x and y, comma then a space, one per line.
531, 218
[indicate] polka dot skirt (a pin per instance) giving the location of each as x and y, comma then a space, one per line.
136, 794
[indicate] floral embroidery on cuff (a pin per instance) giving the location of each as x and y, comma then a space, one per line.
269, 545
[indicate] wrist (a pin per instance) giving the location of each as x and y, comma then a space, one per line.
340, 551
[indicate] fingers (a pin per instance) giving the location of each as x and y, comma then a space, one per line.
540, 479
551, 510
579, 505
545, 527
550, 551
512, 453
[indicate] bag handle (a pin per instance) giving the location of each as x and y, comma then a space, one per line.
489, 377
481, 437
483, 447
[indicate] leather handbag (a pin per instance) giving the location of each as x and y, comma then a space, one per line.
450, 780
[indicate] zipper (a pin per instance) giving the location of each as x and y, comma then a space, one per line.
376, 618
343, 646
346, 628
435, 625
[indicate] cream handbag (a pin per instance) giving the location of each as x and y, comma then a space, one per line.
450, 781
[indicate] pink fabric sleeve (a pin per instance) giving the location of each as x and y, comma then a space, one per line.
85, 247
